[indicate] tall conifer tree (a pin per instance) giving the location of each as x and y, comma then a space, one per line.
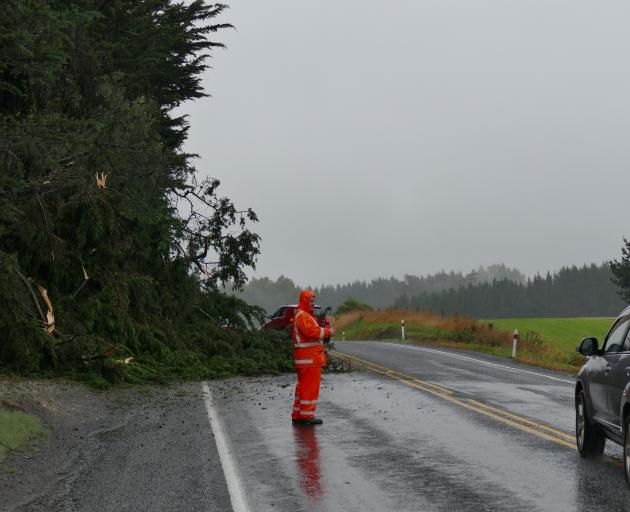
111, 246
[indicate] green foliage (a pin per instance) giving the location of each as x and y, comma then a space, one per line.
352, 304
100, 207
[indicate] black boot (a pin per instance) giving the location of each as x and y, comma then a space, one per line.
312, 421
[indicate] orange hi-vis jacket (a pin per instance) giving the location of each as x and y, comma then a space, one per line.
308, 337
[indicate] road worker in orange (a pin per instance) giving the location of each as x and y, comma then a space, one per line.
309, 358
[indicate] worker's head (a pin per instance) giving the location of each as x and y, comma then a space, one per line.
307, 301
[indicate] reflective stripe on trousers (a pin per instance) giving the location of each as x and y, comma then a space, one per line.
306, 391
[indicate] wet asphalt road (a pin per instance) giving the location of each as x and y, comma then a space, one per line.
388, 445
422, 429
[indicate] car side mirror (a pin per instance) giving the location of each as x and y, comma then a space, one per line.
588, 347
269, 317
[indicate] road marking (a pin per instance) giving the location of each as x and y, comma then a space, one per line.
237, 496
571, 437
481, 361
500, 415
394, 373
505, 417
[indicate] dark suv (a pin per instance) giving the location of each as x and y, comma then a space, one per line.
602, 392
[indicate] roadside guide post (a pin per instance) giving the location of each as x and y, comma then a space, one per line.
343, 335
515, 343
402, 329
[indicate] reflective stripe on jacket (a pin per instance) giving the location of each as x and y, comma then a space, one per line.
308, 340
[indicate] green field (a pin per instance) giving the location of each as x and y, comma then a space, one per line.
563, 334
17, 430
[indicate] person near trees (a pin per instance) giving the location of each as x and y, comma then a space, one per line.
309, 358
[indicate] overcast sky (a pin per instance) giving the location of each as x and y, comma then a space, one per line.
383, 138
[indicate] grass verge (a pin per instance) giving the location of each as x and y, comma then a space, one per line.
18, 430
563, 334
545, 342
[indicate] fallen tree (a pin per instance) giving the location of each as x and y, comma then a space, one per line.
112, 251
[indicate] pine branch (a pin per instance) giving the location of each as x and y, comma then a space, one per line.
52, 252
27, 282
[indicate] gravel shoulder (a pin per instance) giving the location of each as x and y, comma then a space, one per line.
137, 448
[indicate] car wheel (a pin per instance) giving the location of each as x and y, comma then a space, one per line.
590, 440
626, 450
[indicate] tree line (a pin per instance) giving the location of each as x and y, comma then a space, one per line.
570, 292
379, 293
492, 292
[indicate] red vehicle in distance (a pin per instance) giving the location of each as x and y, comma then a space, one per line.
281, 318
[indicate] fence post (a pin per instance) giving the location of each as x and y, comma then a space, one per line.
515, 343
402, 329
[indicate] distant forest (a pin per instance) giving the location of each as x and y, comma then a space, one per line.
584, 291
495, 291
379, 293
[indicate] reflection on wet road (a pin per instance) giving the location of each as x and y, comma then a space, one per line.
307, 455
390, 444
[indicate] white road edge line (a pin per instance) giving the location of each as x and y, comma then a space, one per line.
237, 496
481, 361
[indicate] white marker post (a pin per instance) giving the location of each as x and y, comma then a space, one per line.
343, 335
402, 329
515, 343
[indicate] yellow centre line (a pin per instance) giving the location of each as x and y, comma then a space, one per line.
393, 373
524, 420
508, 418
513, 420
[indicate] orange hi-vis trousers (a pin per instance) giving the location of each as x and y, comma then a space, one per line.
306, 392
